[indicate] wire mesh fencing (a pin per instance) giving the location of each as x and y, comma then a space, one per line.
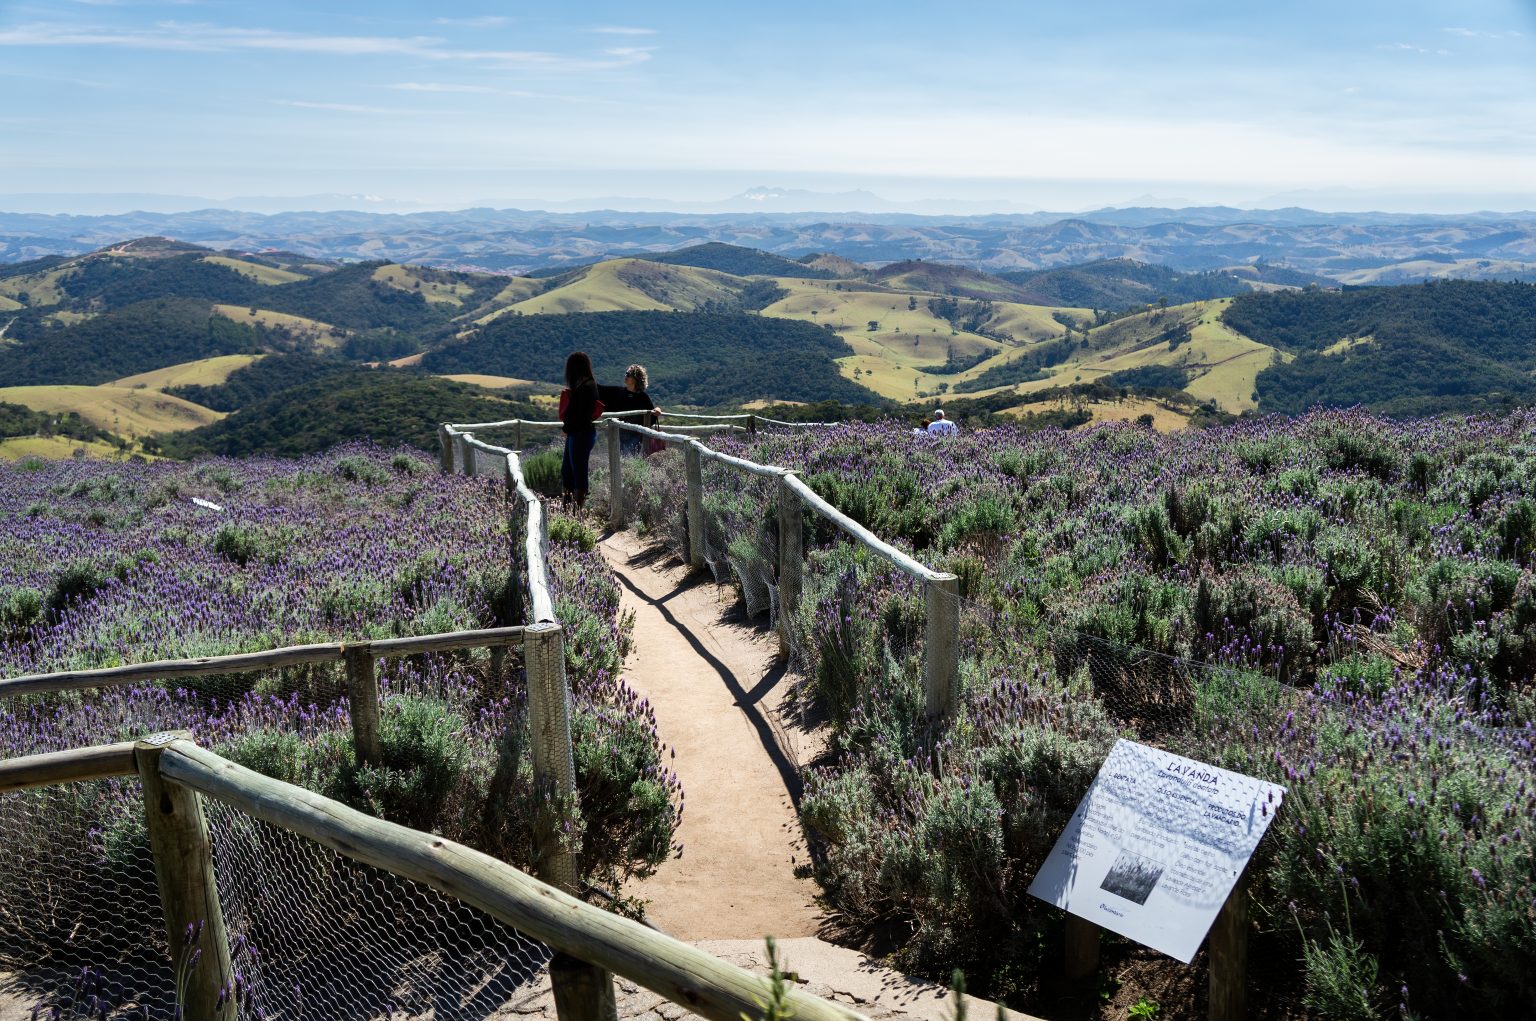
80, 917
314, 934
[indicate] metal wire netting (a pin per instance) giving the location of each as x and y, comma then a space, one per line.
316, 935
79, 909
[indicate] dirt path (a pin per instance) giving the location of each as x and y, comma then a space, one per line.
714, 683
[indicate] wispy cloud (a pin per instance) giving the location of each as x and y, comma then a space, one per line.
197, 37
1477, 33
440, 87
489, 21
305, 104
1413, 48
623, 30
456, 88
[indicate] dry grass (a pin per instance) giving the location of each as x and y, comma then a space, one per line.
204, 372
409, 278
256, 271
54, 448
321, 335
126, 412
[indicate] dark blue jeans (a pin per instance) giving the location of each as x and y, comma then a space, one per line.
578, 458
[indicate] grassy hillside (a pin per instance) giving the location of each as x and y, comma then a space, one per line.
137, 338
116, 409
739, 261
388, 406
630, 285
204, 372
263, 379
693, 358
300, 332
55, 448
942, 278
1117, 284
259, 272
1446, 346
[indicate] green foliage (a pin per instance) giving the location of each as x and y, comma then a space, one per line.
136, 338
1120, 284
573, 531
388, 406
749, 356
20, 608
1449, 346
263, 378
738, 261
541, 471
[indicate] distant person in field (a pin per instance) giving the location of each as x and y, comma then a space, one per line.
922, 430
578, 407
632, 396
941, 426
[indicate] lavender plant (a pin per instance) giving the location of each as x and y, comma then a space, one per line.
1342, 603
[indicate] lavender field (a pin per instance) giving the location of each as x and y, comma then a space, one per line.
1340, 603
108, 564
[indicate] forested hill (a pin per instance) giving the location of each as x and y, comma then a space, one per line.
693, 358
384, 405
1120, 284
1445, 346
738, 261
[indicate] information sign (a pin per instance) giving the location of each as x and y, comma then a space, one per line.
1156, 846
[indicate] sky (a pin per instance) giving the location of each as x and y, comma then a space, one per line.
975, 106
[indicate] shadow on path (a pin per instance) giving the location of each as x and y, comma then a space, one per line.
748, 701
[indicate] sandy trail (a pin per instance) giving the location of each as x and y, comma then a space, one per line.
714, 683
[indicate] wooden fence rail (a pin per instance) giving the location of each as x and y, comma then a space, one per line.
940, 645
181, 774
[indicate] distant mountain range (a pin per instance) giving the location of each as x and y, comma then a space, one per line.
1351, 248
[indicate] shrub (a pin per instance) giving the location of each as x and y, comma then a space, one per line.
541, 471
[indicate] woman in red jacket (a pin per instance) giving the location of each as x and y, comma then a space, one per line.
576, 416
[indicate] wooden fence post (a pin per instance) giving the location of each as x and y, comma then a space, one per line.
791, 559
582, 992
1229, 957
445, 445
1082, 948
941, 642
466, 454
615, 476
363, 694
517, 434
694, 464
189, 897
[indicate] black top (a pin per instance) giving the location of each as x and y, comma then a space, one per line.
620, 398
578, 410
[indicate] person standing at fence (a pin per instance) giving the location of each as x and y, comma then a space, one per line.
578, 409
632, 396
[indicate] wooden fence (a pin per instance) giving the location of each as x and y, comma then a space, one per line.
1228, 942
941, 660
177, 775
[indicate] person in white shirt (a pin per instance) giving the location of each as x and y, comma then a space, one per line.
941, 426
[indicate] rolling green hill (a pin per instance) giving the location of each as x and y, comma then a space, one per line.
693, 358
136, 338
1453, 345
387, 406
943, 278
1121, 284
261, 379
739, 261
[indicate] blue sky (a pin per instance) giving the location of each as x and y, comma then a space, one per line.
1340, 105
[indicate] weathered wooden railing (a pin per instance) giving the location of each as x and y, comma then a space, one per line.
177, 775
941, 589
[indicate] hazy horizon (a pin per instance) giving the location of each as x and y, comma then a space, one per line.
993, 107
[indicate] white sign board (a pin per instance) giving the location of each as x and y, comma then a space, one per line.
1156, 846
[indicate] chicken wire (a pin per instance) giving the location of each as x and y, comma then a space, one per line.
79, 909
316, 935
